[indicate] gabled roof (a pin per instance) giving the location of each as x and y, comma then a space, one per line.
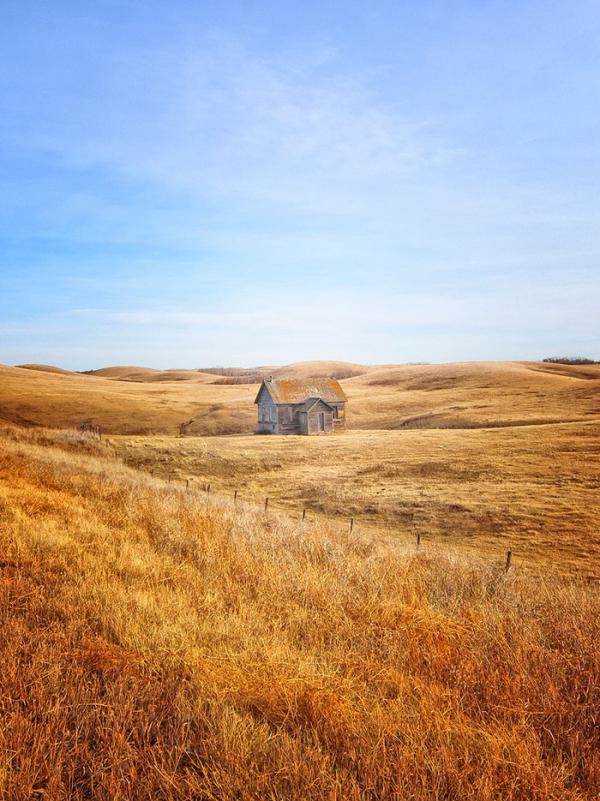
310, 403
296, 390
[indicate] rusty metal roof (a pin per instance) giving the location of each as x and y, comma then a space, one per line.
296, 390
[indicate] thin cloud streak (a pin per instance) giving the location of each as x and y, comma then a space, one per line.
424, 191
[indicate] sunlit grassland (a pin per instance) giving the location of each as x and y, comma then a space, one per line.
462, 395
156, 645
533, 489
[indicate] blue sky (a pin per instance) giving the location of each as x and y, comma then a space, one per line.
203, 183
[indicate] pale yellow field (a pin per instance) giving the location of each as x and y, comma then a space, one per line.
533, 489
124, 404
473, 394
489, 456
140, 401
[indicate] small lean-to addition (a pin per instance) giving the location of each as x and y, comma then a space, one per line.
294, 406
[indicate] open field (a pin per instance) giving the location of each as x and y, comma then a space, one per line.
533, 489
485, 455
131, 400
158, 647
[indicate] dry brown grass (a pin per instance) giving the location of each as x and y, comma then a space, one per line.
126, 403
533, 489
473, 394
158, 647
131, 400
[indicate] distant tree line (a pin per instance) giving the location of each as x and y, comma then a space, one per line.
570, 360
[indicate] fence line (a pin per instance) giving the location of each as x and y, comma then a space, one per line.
351, 520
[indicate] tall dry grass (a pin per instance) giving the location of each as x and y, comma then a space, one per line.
155, 646
532, 489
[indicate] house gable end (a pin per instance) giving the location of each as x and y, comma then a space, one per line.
262, 391
317, 403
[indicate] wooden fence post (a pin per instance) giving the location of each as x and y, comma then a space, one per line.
235, 497
187, 483
508, 561
208, 489
418, 540
351, 524
266, 504
304, 513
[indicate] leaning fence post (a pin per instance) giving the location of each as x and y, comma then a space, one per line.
304, 514
351, 524
266, 504
508, 561
208, 489
235, 497
187, 483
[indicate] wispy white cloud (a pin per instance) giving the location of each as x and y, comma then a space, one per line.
211, 117
219, 199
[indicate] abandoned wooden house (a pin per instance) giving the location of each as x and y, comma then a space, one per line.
294, 406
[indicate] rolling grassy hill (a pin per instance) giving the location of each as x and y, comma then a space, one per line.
156, 646
472, 394
488, 456
120, 403
131, 400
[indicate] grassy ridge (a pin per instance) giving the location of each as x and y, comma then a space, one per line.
462, 395
156, 647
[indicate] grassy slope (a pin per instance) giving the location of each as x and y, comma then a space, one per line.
472, 394
156, 647
133, 400
531, 488
42, 398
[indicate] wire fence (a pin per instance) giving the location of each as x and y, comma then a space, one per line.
234, 497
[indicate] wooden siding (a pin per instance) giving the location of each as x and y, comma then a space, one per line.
267, 409
322, 417
339, 416
288, 418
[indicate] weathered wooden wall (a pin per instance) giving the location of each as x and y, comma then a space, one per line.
288, 418
339, 422
317, 413
267, 408
292, 418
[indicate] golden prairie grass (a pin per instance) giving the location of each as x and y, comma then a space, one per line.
156, 646
473, 395
38, 397
532, 489
464, 395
